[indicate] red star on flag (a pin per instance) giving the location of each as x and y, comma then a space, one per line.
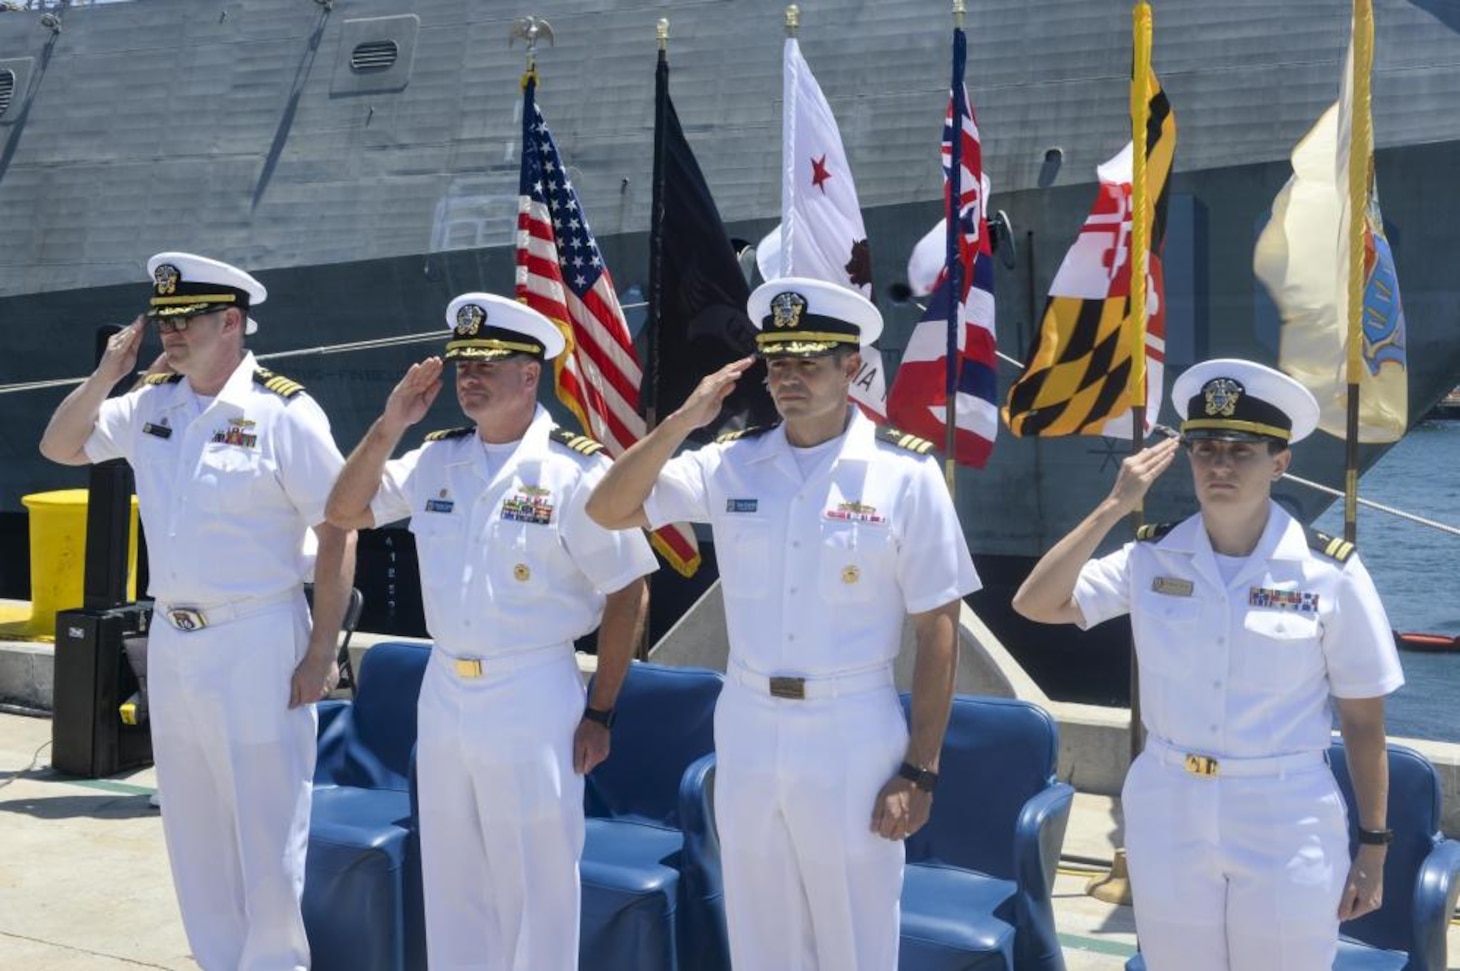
819, 174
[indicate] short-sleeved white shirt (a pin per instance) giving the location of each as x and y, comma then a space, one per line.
819, 573
228, 495
1244, 669
509, 562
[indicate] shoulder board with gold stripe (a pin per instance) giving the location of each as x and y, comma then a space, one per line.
902, 439
754, 431
162, 378
447, 434
1151, 532
581, 444
1333, 547
277, 383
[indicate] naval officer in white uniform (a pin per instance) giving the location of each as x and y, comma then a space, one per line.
1248, 627
512, 571
829, 532
233, 465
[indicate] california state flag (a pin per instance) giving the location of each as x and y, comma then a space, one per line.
821, 233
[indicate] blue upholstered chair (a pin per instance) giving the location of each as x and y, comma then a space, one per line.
362, 886
976, 892
1421, 874
648, 905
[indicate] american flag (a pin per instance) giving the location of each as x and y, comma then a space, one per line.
561, 274
960, 330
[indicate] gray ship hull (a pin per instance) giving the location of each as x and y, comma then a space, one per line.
366, 200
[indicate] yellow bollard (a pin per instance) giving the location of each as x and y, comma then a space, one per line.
58, 558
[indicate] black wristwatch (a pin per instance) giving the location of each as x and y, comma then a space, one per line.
1375, 837
924, 779
603, 716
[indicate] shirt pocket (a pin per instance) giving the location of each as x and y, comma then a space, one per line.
854, 559
1168, 632
1279, 649
744, 554
521, 558
441, 550
229, 477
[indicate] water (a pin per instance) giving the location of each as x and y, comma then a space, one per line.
1414, 568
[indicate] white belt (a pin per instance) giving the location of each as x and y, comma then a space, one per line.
193, 617
1208, 765
801, 688
500, 665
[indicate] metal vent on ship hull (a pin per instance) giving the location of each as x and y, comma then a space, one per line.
7, 89
377, 55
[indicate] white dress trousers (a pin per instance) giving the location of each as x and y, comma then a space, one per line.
502, 828
237, 766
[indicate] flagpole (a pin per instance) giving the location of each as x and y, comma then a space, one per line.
788, 146
656, 229
1114, 886
1140, 104
953, 210
1360, 156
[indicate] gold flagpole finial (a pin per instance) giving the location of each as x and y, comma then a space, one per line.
661, 31
793, 20
529, 29
960, 8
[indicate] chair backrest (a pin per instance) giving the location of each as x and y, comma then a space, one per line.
664, 721
1414, 815
997, 753
370, 745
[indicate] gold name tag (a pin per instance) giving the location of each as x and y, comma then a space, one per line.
1172, 587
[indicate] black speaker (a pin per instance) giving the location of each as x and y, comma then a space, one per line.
93, 677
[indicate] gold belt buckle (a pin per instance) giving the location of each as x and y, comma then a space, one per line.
1203, 765
187, 619
468, 667
793, 688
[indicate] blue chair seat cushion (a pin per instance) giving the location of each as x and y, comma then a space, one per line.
353, 820
1355, 956
961, 910
617, 855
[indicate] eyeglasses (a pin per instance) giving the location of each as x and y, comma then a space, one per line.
177, 325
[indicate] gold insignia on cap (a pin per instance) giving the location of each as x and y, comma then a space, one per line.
1221, 396
521, 573
787, 308
165, 278
469, 319
851, 574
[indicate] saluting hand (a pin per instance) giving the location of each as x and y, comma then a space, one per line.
119, 359
412, 397
902, 809
703, 404
1140, 470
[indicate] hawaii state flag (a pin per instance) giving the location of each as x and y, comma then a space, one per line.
821, 233
1077, 381
959, 321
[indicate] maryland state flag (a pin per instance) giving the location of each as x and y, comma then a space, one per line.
1078, 376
